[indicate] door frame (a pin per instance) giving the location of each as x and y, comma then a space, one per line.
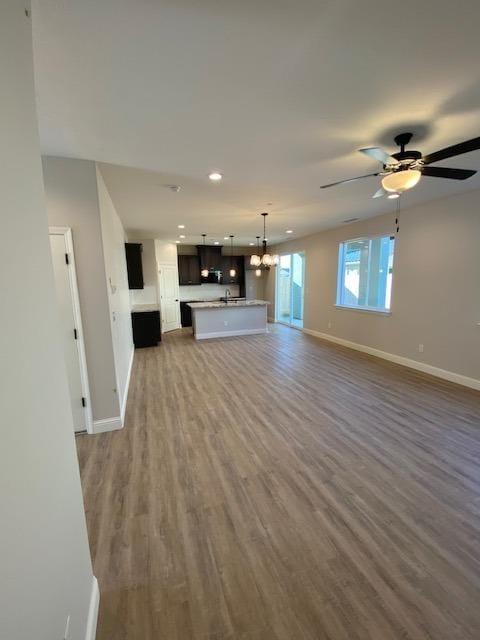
288, 324
160, 267
66, 232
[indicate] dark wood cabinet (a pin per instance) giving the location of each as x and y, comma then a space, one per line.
188, 270
146, 328
237, 263
185, 314
210, 257
133, 253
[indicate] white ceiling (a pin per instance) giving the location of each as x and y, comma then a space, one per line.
276, 94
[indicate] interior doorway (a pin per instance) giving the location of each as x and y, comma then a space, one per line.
61, 245
290, 289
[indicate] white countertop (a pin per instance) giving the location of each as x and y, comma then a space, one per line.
139, 308
228, 305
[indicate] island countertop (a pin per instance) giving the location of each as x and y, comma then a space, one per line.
228, 305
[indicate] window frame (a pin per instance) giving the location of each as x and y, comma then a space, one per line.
340, 270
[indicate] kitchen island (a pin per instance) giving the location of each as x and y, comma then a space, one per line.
232, 318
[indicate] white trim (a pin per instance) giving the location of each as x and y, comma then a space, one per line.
382, 312
451, 376
92, 619
66, 232
127, 386
227, 334
107, 424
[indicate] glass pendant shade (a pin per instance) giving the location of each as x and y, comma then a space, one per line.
255, 261
401, 180
267, 260
258, 272
233, 273
204, 273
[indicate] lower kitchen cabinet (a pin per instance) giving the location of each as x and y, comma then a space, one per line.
185, 314
146, 328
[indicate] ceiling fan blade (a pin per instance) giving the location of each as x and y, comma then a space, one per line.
378, 194
445, 172
378, 154
334, 184
454, 150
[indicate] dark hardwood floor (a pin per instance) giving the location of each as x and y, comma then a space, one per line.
283, 488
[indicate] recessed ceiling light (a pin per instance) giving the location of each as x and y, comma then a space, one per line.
251, 244
177, 241
392, 196
216, 242
181, 226
289, 231
215, 176
225, 237
181, 237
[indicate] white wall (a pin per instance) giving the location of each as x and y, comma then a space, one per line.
45, 564
114, 239
149, 293
435, 293
72, 201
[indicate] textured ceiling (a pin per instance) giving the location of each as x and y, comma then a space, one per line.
277, 95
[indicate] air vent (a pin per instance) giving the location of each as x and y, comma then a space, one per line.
350, 220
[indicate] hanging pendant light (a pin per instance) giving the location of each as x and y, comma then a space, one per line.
258, 271
204, 272
233, 273
268, 259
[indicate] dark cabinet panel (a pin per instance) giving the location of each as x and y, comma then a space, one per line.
237, 262
185, 314
188, 270
133, 253
210, 257
146, 329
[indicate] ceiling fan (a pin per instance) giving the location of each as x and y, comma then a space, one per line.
403, 170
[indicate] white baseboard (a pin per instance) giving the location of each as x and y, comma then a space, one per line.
107, 424
229, 334
127, 386
472, 383
91, 631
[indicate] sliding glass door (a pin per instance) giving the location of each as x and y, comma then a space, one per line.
290, 289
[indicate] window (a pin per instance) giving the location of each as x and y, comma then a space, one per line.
365, 273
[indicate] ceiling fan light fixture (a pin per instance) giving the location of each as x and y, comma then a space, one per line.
399, 181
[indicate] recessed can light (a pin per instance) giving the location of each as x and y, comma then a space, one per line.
216, 242
177, 241
225, 237
215, 176
181, 237
251, 244
181, 226
289, 231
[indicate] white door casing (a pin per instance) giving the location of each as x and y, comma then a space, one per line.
72, 341
169, 297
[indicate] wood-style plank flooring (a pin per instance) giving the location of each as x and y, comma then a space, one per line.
283, 488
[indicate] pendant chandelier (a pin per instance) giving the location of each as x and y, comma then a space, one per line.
258, 271
204, 271
233, 273
266, 259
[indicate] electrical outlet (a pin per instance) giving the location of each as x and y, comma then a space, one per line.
67, 628
420, 348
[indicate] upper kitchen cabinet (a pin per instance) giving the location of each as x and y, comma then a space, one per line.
188, 270
210, 257
233, 262
133, 252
